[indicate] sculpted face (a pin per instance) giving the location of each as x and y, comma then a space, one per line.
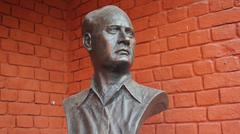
113, 41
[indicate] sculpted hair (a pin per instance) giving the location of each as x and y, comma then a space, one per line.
90, 21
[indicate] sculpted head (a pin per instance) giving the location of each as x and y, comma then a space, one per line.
109, 37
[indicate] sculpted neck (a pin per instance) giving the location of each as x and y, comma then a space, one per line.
106, 79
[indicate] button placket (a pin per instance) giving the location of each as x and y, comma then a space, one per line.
108, 119
105, 121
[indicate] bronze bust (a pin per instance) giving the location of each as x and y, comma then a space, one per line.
115, 103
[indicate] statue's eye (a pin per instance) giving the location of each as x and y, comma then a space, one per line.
112, 29
129, 32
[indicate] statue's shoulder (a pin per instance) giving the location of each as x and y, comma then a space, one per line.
146, 91
151, 91
155, 99
149, 94
75, 99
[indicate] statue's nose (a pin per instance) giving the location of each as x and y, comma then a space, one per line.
123, 38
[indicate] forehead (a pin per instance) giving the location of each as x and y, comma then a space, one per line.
116, 18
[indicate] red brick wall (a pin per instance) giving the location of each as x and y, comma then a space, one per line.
189, 48
33, 66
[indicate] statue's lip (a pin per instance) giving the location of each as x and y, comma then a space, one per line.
122, 51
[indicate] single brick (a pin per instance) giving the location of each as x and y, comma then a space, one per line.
177, 14
57, 54
183, 85
26, 26
163, 73
221, 80
27, 14
56, 13
231, 127
27, 4
56, 76
53, 43
26, 72
3, 108
199, 37
150, 129
145, 10
214, 50
83, 74
198, 9
184, 100
45, 86
55, 33
25, 121
226, 64
186, 128
181, 55
53, 22
157, 46
4, 7
24, 131
224, 112
8, 70
9, 45
26, 48
42, 51
41, 8
182, 115
53, 65
48, 110
8, 95
3, 31
20, 83
7, 121
144, 76
178, 41
218, 18
41, 122
55, 122
203, 67
146, 61
147, 35
183, 70
140, 24
26, 96
25, 36
126, 4
217, 5
158, 19
166, 128
41, 29
183, 26
208, 97
23, 109
42, 98
57, 98
142, 49
224, 32
41, 74
209, 128
10, 21
230, 95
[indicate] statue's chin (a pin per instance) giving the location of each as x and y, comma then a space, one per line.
119, 66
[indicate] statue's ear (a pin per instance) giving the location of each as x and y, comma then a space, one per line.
87, 43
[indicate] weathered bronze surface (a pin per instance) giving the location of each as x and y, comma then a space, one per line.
115, 103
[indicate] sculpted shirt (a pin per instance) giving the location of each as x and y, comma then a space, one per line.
122, 114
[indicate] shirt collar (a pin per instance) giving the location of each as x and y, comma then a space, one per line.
133, 89
130, 85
